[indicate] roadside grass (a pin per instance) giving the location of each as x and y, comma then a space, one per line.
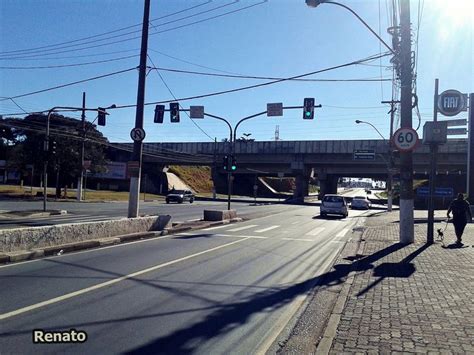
16, 191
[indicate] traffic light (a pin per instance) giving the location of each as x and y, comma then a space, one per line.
53, 147
174, 112
101, 116
159, 113
225, 162
233, 165
308, 110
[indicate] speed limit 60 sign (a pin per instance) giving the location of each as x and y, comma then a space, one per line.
405, 139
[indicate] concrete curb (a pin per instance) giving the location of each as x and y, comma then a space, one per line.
22, 255
324, 346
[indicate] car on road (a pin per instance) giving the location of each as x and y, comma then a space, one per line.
361, 202
334, 204
180, 196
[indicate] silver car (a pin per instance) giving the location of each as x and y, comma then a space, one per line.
360, 202
334, 204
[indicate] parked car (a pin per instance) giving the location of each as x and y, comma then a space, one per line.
361, 202
180, 196
334, 204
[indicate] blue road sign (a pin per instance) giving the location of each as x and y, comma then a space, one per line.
439, 192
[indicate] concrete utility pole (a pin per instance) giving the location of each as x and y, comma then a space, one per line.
134, 195
406, 158
81, 176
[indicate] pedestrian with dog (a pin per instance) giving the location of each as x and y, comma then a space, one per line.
461, 215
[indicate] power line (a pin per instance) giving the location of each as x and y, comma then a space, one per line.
171, 92
374, 57
73, 83
75, 64
104, 33
265, 77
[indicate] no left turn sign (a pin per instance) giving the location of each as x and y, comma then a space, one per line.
137, 134
405, 139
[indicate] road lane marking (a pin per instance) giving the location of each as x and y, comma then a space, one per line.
266, 229
295, 222
111, 282
299, 239
316, 231
242, 228
241, 236
218, 227
342, 233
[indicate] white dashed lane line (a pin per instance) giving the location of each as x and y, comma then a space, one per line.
342, 233
266, 229
242, 228
316, 231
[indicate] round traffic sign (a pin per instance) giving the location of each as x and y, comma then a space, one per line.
137, 134
405, 139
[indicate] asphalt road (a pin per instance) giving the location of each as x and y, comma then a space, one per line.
100, 211
227, 289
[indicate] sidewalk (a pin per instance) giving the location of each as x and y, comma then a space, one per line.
406, 299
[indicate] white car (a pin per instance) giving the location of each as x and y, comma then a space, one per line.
361, 202
334, 204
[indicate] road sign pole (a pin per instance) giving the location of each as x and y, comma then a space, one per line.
134, 194
434, 155
470, 152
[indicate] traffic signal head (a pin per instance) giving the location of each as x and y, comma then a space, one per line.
225, 162
159, 113
233, 165
308, 110
101, 116
174, 112
53, 147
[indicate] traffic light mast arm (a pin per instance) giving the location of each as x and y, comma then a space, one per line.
220, 119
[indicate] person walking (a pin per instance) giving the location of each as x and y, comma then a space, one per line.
461, 211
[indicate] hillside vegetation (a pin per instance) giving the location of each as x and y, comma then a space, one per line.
198, 178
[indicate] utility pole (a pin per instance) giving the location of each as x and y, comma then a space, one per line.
470, 152
406, 158
134, 195
390, 155
81, 168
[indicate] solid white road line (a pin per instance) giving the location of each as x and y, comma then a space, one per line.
342, 233
266, 229
242, 228
316, 231
111, 282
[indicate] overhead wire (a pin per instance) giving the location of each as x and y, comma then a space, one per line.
73, 64
370, 58
104, 33
172, 94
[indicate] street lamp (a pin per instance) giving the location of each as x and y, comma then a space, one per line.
389, 166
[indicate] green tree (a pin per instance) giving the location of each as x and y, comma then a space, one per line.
66, 135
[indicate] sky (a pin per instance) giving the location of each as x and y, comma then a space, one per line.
50, 43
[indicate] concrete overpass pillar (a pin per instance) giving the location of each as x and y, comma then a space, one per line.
301, 188
328, 184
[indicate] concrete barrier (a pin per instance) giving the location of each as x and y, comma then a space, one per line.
217, 215
12, 240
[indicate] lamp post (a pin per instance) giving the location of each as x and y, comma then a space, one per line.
389, 166
404, 58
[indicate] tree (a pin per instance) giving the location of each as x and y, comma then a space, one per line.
29, 136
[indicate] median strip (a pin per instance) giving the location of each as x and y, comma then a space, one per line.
111, 282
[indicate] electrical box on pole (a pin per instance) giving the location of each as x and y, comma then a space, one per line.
174, 112
159, 113
435, 132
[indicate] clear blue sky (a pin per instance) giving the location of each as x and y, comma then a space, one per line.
277, 38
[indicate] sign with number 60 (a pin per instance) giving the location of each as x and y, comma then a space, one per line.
405, 139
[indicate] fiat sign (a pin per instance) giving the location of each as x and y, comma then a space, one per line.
451, 102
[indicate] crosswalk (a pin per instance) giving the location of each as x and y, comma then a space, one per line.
254, 231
